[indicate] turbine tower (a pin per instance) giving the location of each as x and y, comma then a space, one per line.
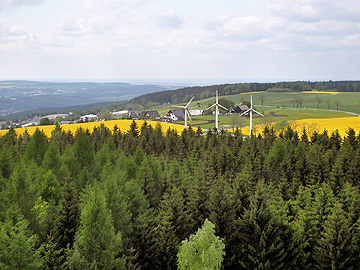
217, 105
187, 114
251, 110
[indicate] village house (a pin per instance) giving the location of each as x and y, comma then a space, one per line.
152, 115
239, 109
135, 115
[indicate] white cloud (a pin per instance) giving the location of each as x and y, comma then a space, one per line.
315, 10
108, 5
135, 36
6, 5
166, 18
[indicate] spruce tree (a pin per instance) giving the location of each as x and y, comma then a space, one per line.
52, 158
266, 241
172, 228
97, 246
336, 249
68, 217
37, 147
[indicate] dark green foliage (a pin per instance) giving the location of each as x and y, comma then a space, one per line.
45, 121
51, 256
336, 248
67, 221
266, 241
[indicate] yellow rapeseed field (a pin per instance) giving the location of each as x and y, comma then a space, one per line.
123, 125
321, 92
330, 124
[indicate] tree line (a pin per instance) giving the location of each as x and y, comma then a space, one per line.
128, 199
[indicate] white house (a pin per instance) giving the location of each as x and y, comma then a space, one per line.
196, 112
119, 113
89, 117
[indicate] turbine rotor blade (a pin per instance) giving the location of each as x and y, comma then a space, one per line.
257, 112
178, 106
189, 102
210, 107
245, 112
223, 107
188, 113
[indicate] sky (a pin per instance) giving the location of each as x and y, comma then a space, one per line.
149, 40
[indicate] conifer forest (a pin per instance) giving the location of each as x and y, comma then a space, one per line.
128, 199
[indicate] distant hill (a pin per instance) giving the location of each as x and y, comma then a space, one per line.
45, 111
20, 96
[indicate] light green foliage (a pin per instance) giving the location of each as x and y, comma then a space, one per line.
17, 247
52, 158
37, 147
204, 250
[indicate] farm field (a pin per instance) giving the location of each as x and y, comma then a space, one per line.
123, 125
314, 124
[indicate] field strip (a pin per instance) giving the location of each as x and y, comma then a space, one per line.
342, 124
123, 125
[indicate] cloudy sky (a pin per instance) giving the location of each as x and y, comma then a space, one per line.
223, 40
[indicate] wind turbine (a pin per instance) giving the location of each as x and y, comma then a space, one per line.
187, 113
251, 110
217, 105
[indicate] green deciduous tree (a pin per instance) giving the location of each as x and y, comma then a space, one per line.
204, 250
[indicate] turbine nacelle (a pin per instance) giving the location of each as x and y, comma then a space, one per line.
217, 105
186, 111
251, 110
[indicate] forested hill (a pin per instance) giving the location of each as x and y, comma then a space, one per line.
202, 92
